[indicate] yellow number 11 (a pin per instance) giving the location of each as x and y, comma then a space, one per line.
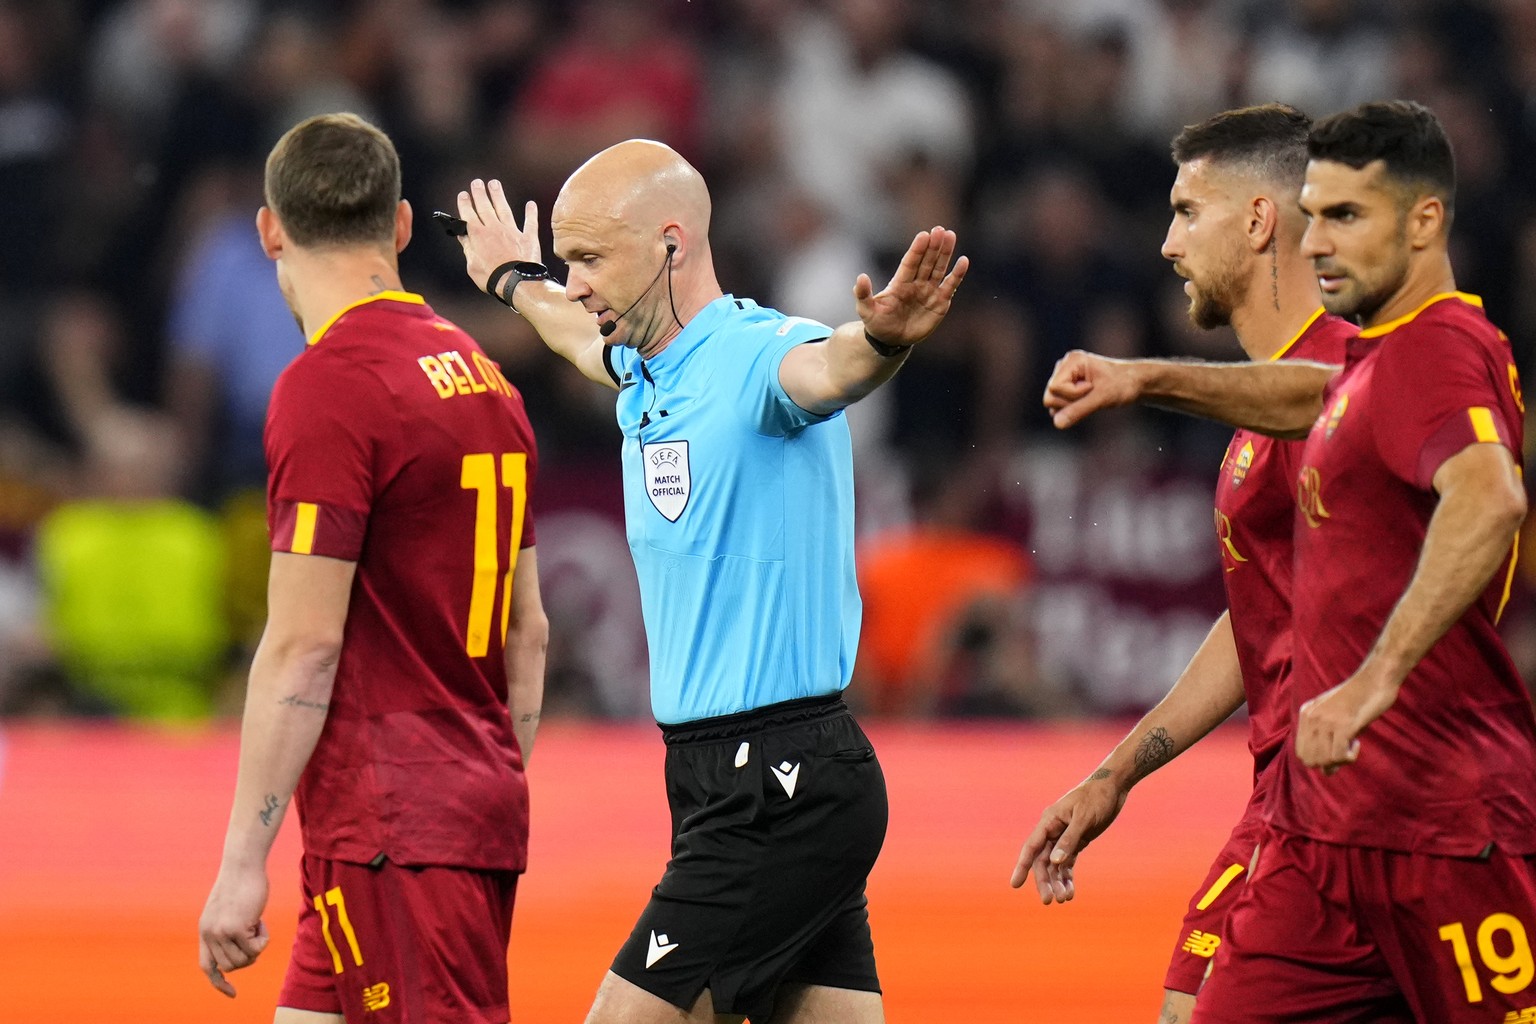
478, 474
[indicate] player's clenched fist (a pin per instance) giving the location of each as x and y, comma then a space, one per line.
1083, 384
1328, 726
231, 933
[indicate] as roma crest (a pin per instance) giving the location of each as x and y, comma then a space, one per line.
1242, 464
1336, 415
667, 479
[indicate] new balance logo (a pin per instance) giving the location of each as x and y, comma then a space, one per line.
787, 775
1202, 943
659, 948
376, 997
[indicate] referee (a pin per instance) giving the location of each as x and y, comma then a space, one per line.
738, 499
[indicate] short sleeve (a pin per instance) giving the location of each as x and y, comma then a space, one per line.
760, 394
320, 441
1437, 391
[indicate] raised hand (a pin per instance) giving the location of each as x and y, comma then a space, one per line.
919, 295
492, 236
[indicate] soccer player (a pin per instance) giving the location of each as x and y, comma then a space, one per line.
404, 620
738, 489
1395, 875
1235, 236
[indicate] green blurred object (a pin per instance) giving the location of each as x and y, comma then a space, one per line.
134, 600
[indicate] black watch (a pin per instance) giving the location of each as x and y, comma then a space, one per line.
522, 270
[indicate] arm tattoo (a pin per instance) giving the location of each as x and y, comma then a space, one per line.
532, 716
270, 811
293, 700
1154, 751
1100, 775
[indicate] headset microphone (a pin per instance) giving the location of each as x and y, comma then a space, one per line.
612, 325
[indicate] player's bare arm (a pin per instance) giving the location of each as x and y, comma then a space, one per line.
286, 703
492, 239
826, 376
1280, 399
1482, 504
1206, 693
527, 640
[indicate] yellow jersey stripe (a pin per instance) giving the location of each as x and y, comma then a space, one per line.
304, 528
1509, 579
393, 296
1304, 329
1392, 325
1220, 886
1482, 424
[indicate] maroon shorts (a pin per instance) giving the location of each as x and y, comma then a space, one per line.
398, 945
1205, 922
1327, 934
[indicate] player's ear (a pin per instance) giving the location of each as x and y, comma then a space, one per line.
1426, 221
403, 220
270, 230
1263, 222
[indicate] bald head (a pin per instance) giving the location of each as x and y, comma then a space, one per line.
632, 225
636, 186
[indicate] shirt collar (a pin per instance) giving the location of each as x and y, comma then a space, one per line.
391, 295
1392, 325
703, 324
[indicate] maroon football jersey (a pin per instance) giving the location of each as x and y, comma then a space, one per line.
1255, 513
1451, 767
393, 442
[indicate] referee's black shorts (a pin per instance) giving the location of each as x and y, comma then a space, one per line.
778, 815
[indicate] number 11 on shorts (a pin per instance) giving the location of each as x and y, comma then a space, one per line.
334, 898
1512, 971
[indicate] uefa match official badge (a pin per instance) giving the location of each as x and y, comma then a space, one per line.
667, 479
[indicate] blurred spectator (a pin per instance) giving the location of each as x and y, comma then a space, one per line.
230, 333
619, 73
857, 109
133, 579
1320, 55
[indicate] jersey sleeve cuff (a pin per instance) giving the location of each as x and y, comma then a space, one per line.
312, 528
1478, 424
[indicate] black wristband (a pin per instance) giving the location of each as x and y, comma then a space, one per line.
884, 349
490, 282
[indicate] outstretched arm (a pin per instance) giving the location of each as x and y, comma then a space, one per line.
1205, 695
1280, 399
492, 238
825, 376
285, 709
1482, 505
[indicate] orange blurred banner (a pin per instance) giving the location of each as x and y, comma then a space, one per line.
110, 837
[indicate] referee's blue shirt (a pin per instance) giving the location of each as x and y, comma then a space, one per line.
739, 510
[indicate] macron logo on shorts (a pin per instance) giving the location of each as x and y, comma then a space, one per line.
659, 947
787, 775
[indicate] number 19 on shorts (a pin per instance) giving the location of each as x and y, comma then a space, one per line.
478, 474
1503, 948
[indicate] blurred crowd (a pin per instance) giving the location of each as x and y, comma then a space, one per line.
1007, 569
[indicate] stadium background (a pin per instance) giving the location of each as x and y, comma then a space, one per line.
1025, 590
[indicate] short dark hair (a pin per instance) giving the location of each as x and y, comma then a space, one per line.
334, 180
1404, 135
1269, 140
